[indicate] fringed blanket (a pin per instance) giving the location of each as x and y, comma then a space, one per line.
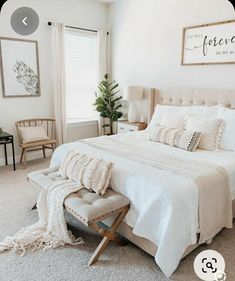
77, 172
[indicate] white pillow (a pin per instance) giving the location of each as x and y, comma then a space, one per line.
228, 138
202, 110
159, 112
211, 129
172, 121
164, 113
31, 134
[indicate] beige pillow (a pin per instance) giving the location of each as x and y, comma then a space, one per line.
93, 173
31, 134
211, 129
176, 137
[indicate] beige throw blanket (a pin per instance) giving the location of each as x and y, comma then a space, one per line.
215, 201
77, 171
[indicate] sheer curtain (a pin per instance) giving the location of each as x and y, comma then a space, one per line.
58, 71
102, 45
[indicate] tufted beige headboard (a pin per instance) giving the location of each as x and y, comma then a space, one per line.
190, 97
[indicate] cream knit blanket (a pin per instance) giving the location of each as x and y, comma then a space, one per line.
77, 172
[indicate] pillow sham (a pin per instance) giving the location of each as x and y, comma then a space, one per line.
228, 139
31, 134
172, 121
164, 113
176, 137
211, 129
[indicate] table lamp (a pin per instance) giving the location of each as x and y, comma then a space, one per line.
133, 93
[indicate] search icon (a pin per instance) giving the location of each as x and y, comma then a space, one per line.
209, 265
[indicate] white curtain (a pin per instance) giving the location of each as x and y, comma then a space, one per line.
102, 43
58, 71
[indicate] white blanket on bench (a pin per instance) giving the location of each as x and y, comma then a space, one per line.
51, 231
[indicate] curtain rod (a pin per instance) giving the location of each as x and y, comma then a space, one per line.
74, 27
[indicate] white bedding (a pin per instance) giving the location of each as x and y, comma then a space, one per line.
164, 205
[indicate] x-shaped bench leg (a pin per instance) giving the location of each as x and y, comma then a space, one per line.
108, 235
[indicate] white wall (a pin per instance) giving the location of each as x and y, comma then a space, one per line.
81, 13
147, 38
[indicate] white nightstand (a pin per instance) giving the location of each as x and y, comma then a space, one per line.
125, 127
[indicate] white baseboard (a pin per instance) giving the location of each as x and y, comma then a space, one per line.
30, 156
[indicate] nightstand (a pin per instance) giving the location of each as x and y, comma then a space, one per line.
125, 127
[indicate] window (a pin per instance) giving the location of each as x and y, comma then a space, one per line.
81, 75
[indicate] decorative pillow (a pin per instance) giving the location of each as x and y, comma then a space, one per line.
93, 173
172, 116
228, 139
31, 134
211, 129
176, 137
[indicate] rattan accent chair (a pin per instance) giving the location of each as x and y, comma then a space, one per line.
50, 143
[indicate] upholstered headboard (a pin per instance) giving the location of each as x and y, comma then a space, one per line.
190, 97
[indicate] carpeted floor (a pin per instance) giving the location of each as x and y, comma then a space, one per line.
127, 263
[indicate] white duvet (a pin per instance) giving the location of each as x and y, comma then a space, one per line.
164, 205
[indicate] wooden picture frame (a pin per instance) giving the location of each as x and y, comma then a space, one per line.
19, 66
209, 44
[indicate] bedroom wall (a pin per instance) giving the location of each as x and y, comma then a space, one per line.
146, 43
81, 13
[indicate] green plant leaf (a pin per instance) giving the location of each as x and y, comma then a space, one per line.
114, 87
117, 99
117, 107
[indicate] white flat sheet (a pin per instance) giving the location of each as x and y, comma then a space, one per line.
164, 206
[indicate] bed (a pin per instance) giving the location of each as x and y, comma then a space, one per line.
164, 204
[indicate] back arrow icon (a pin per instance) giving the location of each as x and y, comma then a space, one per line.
24, 21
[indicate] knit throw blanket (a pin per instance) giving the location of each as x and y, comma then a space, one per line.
77, 172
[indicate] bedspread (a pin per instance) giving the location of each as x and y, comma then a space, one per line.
166, 192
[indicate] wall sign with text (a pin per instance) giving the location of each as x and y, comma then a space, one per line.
209, 44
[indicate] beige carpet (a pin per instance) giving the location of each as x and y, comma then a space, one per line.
69, 264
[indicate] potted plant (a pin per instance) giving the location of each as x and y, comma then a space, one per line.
107, 102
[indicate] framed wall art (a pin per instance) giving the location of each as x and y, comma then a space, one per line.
19, 64
209, 44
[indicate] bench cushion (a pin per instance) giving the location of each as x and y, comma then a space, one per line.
87, 206
84, 205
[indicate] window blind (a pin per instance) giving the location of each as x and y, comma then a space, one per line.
81, 74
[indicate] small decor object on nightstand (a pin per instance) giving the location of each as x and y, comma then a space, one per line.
132, 94
6, 138
126, 127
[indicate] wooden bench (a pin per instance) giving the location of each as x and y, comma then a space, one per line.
90, 209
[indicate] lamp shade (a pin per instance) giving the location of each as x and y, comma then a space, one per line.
133, 93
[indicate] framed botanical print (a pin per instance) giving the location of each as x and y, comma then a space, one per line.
19, 64
209, 44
